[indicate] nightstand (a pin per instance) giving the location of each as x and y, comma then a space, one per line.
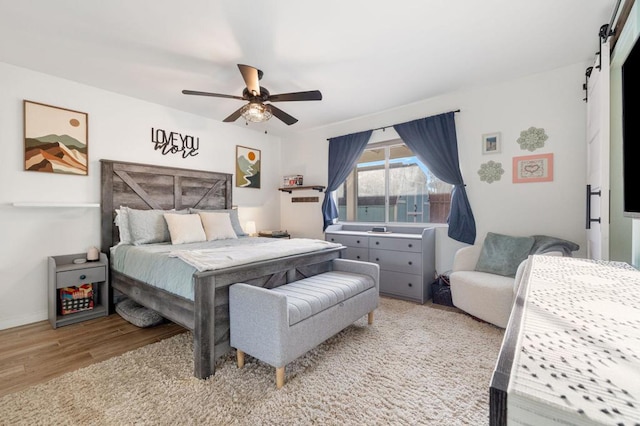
64, 273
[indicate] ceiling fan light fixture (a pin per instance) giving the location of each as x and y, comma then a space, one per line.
256, 112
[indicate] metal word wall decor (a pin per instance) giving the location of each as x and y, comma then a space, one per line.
174, 143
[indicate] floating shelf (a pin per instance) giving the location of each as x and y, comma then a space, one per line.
46, 204
288, 189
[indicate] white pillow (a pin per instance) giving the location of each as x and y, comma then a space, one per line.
185, 228
122, 222
217, 226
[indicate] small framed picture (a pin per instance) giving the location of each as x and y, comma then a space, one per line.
491, 143
248, 164
533, 168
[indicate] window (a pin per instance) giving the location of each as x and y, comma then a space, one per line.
389, 184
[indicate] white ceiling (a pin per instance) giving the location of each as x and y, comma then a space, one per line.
364, 56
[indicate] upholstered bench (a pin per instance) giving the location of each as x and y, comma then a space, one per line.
278, 325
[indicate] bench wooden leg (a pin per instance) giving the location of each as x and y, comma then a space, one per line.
240, 358
279, 377
370, 318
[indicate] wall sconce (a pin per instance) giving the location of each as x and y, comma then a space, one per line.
250, 228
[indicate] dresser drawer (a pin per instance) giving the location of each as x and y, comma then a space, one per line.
80, 276
398, 244
356, 253
349, 240
400, 284
399, 261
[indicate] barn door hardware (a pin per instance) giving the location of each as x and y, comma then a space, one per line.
590, 194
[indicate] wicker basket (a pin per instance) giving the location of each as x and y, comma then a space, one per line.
76, 299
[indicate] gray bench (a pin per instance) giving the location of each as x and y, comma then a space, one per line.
278, 325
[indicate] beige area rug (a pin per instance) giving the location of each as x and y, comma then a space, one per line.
417, 364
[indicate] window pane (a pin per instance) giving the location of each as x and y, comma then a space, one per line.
414, 193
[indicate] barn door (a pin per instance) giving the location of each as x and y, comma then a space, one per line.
597, 190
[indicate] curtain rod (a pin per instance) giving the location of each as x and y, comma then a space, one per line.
386, 127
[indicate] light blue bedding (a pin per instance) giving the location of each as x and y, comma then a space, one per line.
151, 263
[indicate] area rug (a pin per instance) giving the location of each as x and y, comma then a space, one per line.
416, 364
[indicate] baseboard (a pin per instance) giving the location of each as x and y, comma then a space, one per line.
23, 320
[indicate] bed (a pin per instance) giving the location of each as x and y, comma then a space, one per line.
146, 187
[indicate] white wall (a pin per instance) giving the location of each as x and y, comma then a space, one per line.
119, 129
550, 100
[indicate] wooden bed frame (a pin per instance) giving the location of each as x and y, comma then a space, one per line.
142, 186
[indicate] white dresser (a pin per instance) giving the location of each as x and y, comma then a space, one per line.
406, 256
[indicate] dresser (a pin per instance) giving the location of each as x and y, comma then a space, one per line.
405, 254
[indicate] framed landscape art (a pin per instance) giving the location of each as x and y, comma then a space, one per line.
248, 165
56, 140
533, 168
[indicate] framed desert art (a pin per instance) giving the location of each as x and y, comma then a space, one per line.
247, 167
533, 168
56, 140
491, 143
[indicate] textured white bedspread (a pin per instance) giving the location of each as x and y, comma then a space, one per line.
225, 257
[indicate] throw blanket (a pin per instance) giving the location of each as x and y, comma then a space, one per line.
225, 257
545, 244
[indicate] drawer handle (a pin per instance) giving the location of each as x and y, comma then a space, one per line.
357, 257
333, 239
410, 263
410, 245
357, 241
83, 276
377, 259
410, 285
377, 242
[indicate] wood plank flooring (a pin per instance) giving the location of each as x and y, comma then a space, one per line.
36, 353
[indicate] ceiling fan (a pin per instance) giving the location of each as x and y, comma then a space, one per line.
256, 110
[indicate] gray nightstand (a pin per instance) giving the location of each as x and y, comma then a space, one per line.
64, 273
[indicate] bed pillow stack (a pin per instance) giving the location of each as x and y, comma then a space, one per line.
177, 226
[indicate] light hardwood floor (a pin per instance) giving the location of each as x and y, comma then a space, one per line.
36, 353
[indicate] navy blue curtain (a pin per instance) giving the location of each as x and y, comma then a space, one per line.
344, 151
433, 140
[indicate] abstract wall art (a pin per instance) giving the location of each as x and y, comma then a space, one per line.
491, 171
248, 165
56, 140
532, 138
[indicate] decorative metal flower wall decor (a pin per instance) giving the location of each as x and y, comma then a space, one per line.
490, 171
532, 138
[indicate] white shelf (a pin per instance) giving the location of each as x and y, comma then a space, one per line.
47, 204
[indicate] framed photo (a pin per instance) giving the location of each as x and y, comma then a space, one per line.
56, 140
533, 168
247, 167
491, 143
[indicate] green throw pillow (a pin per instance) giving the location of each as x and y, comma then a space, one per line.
501, 254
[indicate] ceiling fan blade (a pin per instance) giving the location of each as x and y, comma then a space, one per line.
286, 118
251, 78
234, 116
215, 95
312, 95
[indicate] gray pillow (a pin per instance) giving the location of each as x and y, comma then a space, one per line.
137, 314
501, 254
233, 215
148, 226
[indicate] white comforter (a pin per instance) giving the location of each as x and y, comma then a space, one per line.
224, 257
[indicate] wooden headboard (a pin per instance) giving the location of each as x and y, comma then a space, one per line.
144, 187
